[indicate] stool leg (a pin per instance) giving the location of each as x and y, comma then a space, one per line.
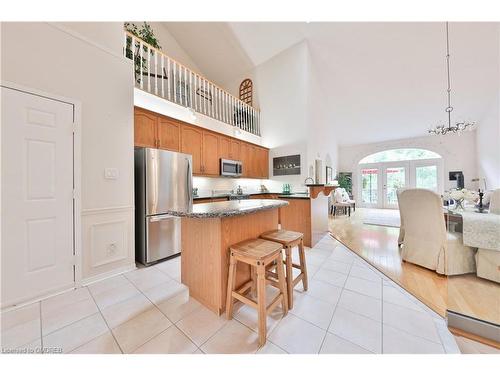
261, 303
253, 277
282, 283
303, 267
289, 276
230, 287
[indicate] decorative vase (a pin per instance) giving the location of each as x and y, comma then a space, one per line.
459, 204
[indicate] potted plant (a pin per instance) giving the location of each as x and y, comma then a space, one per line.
146, 33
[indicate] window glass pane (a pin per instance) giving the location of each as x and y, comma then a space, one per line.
369, 185
395, 179
399, 155
426, 177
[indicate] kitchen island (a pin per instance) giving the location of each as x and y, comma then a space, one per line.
207, 232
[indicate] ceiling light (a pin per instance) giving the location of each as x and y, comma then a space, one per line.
457, 127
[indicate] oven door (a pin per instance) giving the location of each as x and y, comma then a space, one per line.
229, 167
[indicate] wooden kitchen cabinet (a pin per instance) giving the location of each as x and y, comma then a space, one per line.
145, 128
210, 154
206, 147
224, 145
245, 153
169, 134
229, 148
192, 143
234, 149
263, 163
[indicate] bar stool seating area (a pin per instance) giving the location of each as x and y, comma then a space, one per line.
258, 254
264, 255
289, 240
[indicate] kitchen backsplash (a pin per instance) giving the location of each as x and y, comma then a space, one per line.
206, 185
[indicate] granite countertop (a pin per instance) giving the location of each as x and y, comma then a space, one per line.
229, 208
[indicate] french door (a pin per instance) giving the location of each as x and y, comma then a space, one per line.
394, 176
378, 182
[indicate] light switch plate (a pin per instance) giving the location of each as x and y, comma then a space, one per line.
111, 173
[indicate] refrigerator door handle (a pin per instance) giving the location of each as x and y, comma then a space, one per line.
156, 218
189, 182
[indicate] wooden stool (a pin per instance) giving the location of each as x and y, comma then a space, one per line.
258, 254
289, 240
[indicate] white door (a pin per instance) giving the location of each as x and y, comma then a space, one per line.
395, 175
37, 196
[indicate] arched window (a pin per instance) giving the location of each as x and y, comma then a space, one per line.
382, 173
399, 154
246, 91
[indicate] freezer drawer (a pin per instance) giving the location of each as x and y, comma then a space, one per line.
163, 236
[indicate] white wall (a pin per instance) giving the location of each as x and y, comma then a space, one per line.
64, 60
295, 117
488, 133
322, 138
170, 46
458, 153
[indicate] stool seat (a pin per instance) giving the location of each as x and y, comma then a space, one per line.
256, 248
282, 236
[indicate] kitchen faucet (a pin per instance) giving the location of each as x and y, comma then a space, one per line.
308, 178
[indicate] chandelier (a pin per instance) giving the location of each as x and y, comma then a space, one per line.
457, 127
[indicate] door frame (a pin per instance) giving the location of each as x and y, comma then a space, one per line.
393, 164
424, 163
77, 173
410, 178
377, 166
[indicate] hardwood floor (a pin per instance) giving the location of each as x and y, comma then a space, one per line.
465, 294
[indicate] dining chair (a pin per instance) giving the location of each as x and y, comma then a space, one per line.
488, 260
495, 202
401, 226
426, 241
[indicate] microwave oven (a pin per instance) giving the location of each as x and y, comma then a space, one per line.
231, 168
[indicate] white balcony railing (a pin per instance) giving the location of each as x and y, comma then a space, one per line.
161, 75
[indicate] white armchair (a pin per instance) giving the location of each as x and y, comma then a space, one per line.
341, 200
426, 241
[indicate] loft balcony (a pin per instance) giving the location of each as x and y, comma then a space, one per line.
160, 75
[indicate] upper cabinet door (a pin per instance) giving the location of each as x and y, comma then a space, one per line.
234, 149
191, 143
224, 148
210, 159
169, 134
145, 128
245, 158
265, 153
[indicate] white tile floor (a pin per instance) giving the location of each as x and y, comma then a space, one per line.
349, 308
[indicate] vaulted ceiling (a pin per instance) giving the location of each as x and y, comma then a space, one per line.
381, 81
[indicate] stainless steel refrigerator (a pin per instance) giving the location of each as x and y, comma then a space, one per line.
163, 181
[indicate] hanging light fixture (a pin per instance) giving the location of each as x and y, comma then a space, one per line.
458, 127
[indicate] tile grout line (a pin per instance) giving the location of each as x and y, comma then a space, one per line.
334, 310
156, 306
107, 325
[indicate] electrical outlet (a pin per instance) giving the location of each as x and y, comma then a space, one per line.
111, 173
112, 248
